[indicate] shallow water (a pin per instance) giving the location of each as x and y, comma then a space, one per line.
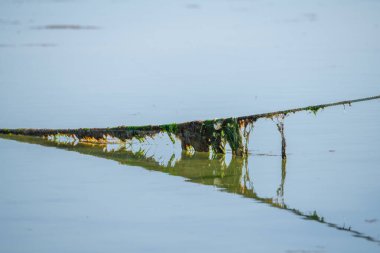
97, 199
161, 61
108, 63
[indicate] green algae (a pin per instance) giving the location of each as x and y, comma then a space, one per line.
170, 129
316, 217
233, 135
219, 132
200, 136
315, 109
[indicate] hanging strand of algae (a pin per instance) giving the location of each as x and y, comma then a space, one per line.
200, 136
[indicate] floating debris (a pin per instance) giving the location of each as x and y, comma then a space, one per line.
195, 136
68, 27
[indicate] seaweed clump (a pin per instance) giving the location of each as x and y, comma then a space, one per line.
170, 129
215, 134
200, 136
315, 109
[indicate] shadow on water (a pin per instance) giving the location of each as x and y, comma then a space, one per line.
197, 168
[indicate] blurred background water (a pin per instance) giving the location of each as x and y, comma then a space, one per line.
68, 64
146, 62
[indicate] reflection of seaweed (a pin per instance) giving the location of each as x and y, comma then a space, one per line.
315, 216
199, 136
279, 119
280, 190
197, 168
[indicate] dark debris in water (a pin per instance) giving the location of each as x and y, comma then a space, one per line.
200, 136
370, 220
68, 27
39, 45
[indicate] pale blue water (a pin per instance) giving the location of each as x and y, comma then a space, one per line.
161, 61
55, 200
170, 61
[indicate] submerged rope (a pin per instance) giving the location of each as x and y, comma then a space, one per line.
309, 108
197, 135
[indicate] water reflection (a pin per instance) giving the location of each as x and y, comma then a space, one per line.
232, 177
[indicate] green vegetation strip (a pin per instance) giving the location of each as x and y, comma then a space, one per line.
198, 135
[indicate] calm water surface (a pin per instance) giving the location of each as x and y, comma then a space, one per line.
107, 63
98, 198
